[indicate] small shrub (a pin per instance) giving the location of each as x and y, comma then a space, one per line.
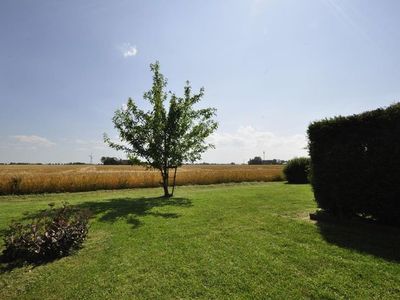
53, 233
297, 170
15, 183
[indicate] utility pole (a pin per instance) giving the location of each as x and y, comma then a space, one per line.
263, 155
91, 158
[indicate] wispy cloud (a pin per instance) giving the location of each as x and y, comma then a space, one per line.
33, 140
258, 6
247, 142
128, 50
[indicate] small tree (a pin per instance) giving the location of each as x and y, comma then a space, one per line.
163, 139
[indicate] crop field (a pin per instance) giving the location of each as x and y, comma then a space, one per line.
27, 179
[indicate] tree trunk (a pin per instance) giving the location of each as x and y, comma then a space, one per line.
165, 176
174, 182
166, 192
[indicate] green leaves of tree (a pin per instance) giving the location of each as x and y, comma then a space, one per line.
164, 138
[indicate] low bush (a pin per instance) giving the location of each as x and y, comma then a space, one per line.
53, 233
297, 170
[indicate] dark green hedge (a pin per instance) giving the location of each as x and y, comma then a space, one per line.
355, 164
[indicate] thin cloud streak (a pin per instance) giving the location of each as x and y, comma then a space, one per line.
33, 140
258, 6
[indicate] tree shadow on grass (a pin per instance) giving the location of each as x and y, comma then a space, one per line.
111, 210
369, 238
8, 266
133, 208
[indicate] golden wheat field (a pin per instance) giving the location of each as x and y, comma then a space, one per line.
27, 179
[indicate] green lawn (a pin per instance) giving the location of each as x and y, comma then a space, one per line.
215, 242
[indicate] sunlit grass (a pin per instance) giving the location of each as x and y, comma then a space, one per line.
231, 241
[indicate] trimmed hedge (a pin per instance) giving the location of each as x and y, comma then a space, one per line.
297, 169
355, 164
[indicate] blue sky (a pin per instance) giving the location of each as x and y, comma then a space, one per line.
270, 67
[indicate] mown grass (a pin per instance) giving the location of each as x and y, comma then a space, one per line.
243, 241
31, 179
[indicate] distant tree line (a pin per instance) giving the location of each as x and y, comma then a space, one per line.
257, 160
105, 160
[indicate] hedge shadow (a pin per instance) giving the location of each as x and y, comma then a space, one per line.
368, 238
